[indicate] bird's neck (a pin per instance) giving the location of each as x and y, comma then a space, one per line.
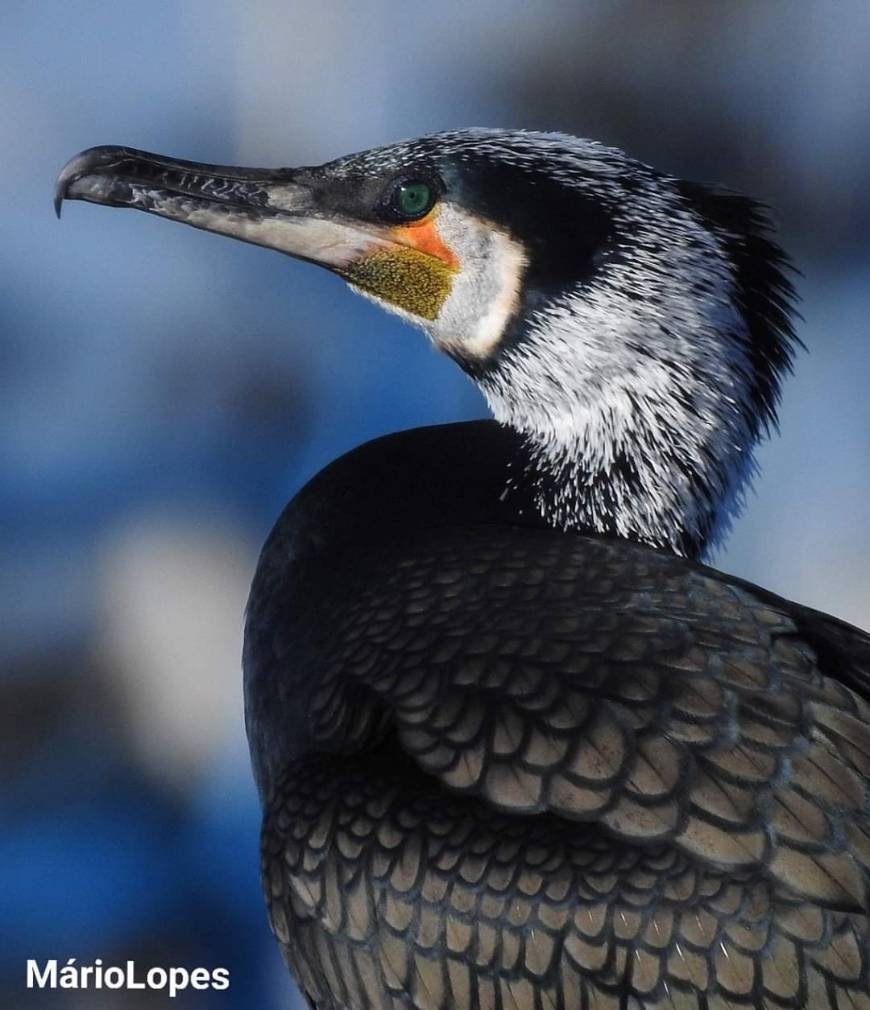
636, 458
654, 497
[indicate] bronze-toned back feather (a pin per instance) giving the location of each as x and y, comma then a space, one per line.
550, 771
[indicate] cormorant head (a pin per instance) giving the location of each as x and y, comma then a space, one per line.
633, 327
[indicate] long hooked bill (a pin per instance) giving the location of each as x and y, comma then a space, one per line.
274, 208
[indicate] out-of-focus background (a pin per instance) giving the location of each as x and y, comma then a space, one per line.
164, 391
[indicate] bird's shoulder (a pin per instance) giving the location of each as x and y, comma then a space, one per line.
601, 681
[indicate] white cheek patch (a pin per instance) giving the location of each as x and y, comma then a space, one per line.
486, 290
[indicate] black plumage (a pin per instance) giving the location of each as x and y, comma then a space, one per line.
531, 769
517, 747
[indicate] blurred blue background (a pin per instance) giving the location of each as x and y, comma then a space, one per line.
164, 391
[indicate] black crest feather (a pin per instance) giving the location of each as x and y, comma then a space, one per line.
764, 293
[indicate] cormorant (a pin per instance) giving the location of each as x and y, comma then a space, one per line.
517, 747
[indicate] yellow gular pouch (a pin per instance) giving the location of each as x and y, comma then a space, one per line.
413, 281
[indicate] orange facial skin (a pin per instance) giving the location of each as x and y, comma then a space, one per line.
415, 274
423, 235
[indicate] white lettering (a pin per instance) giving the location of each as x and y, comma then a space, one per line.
200, 978
179, 979
114, 978
94, 976
131, 977
155, 974
69, 975
47, 978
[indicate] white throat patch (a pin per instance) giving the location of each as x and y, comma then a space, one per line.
486, 289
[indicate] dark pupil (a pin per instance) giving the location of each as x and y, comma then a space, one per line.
413, 197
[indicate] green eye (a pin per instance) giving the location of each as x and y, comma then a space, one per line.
412, 199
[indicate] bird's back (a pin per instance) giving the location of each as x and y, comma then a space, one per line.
516, 768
